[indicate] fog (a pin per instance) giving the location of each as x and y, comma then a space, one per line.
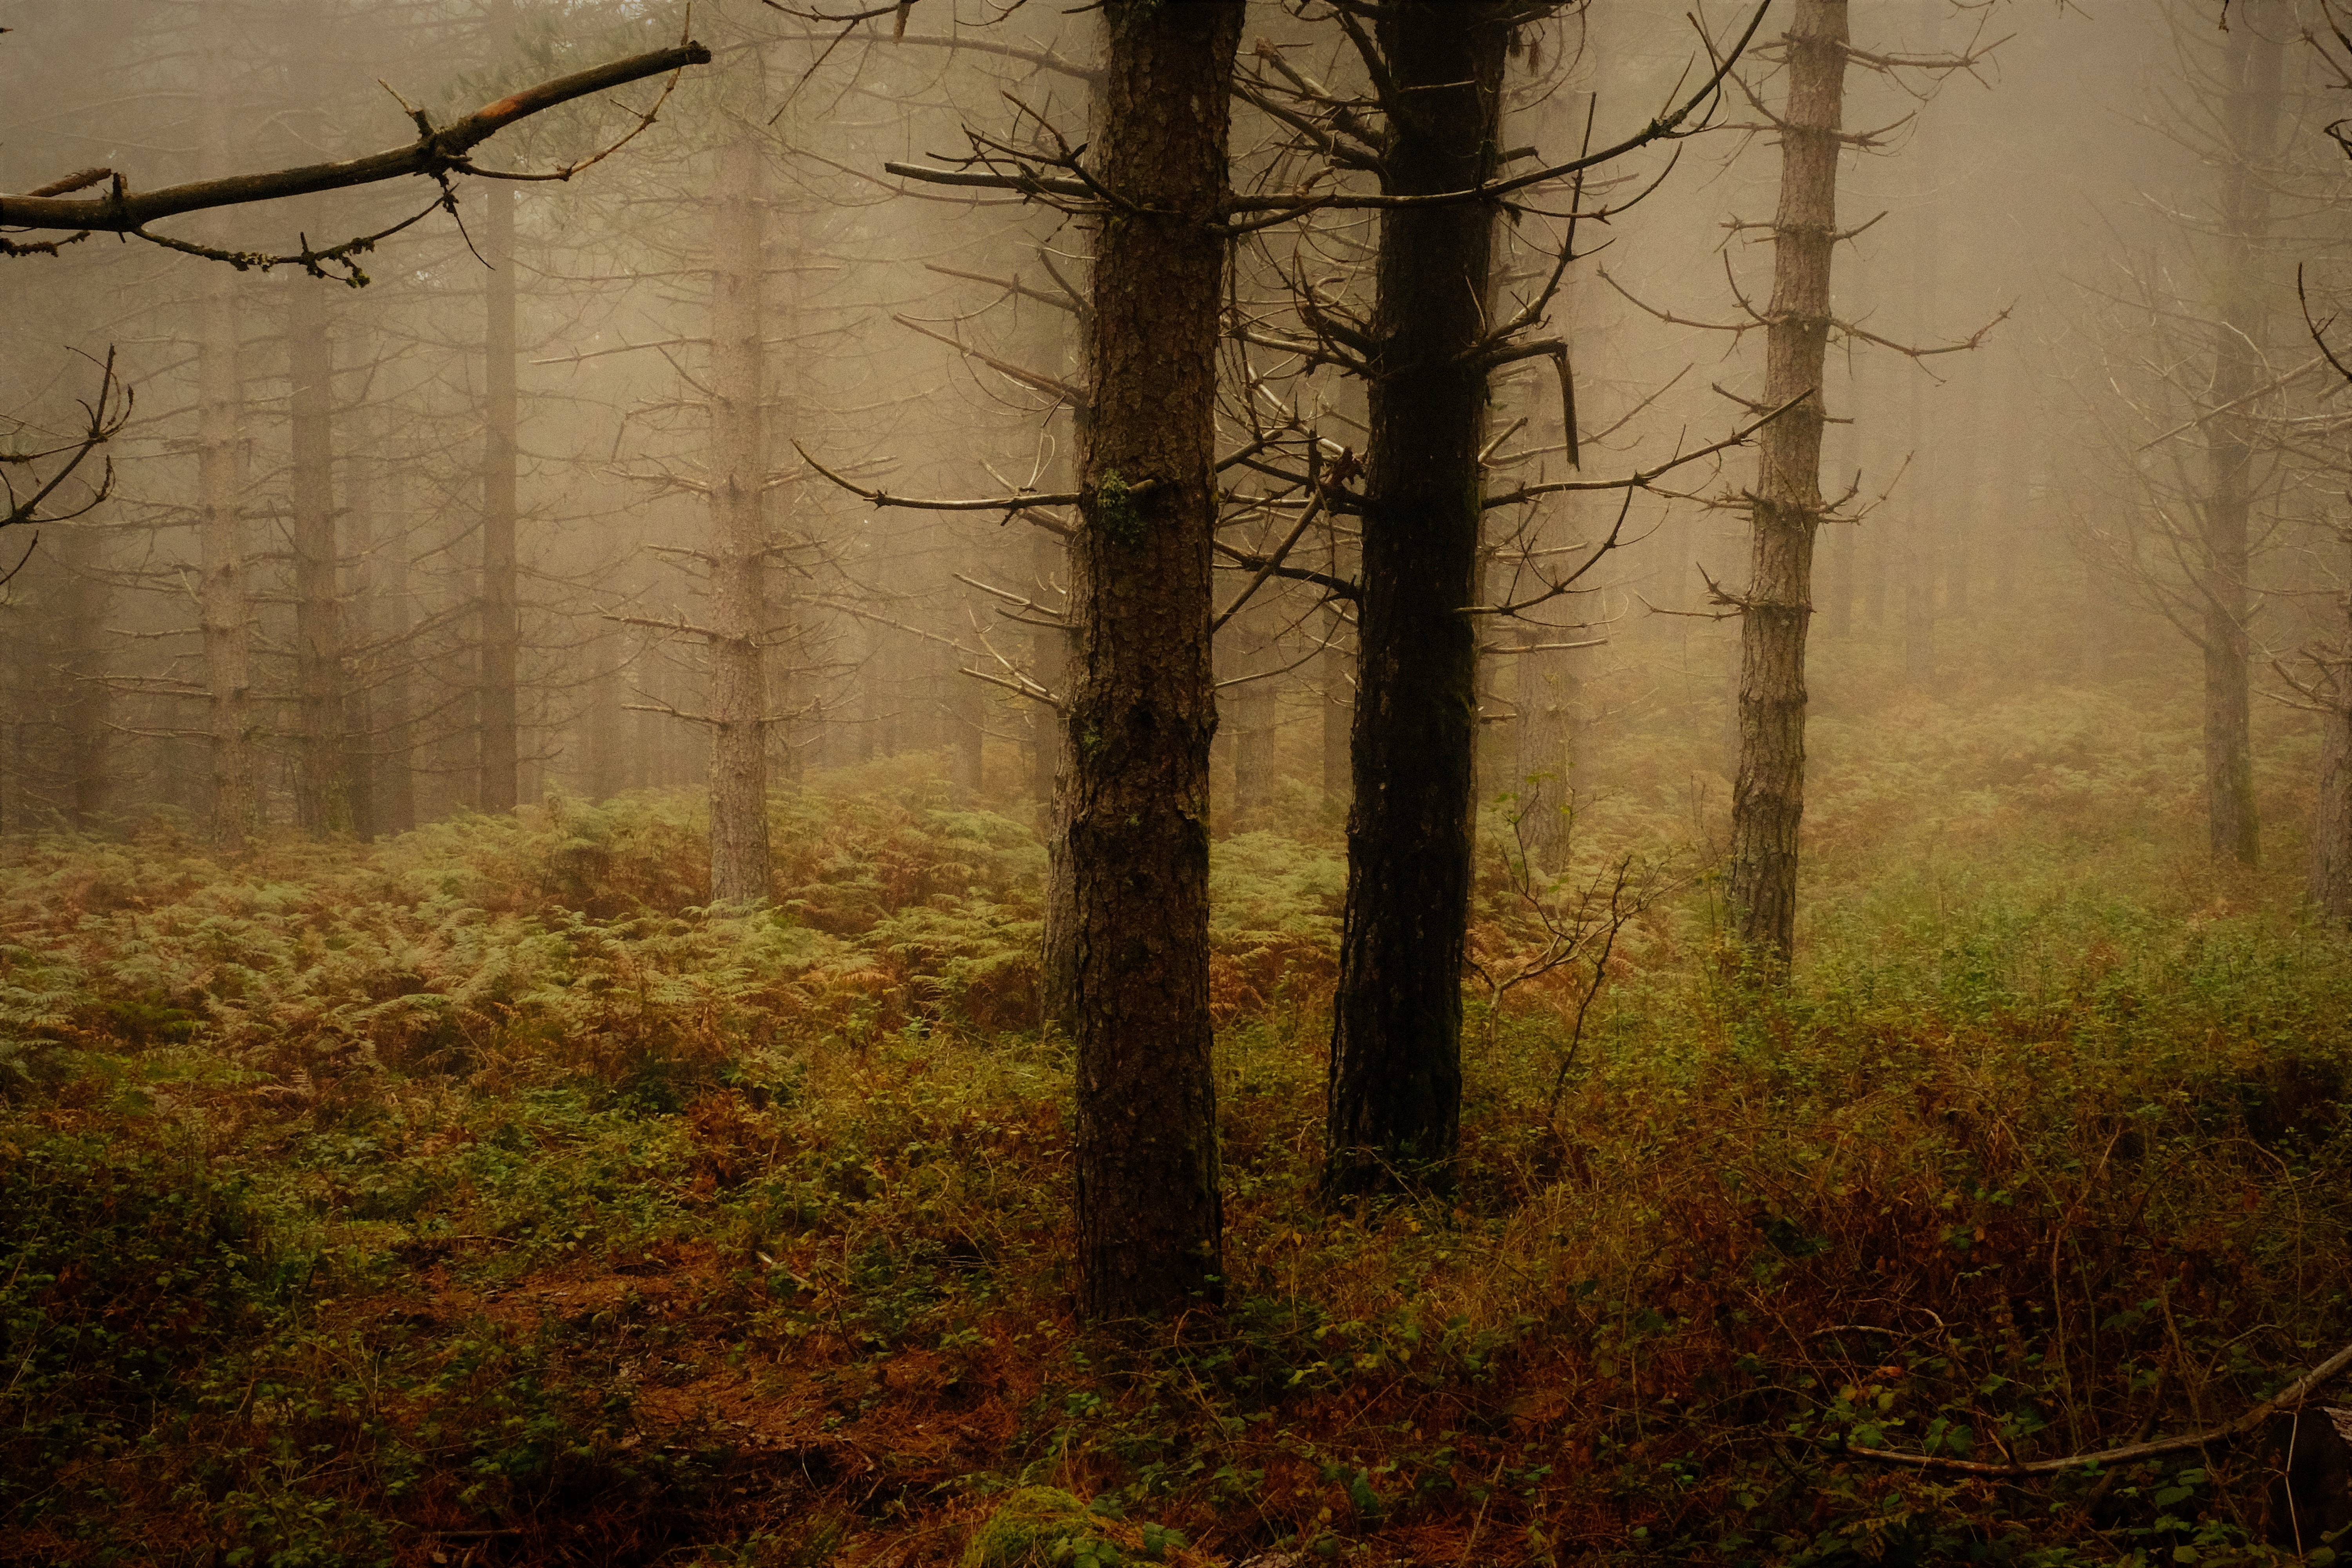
2043, 201
1405, 684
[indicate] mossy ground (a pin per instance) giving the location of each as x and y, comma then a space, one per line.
478, 1197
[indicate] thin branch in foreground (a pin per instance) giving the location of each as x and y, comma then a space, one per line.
2288, 1398
435, 155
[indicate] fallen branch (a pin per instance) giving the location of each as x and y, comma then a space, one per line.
2288, 1398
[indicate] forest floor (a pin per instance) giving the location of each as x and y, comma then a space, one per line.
476, 1197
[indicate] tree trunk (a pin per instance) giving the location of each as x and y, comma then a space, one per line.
321, 796
2331, 830
501, 626
222, 613
741, 866
1339, 691
82, 638
362, 626
1141, 703
606, 776
1768, 800
967, 705
2254, 65
1922, 511
1542, 774
1049, 784
1394, 1101
395, 615
1257, 715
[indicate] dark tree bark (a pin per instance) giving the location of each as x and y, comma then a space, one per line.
1394, 1101
2253, 70
1141, 705
1769, 792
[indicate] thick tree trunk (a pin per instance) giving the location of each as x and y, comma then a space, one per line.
2254, 65
1768, 800
1394, 1102
1141, 705
502, 626
321, 791
741, 866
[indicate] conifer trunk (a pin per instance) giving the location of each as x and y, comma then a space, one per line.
1338, 667
1394, 1100
2254, 65
1768, 794
1542, 774
362, 620
396, 748
739, 862
222, 613
2330, 883
321, 796
82, 616
1142, 703
501, 627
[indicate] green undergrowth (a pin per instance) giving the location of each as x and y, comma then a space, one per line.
484, 1197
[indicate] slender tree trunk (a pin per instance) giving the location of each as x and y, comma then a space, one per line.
605, 762
81, 617
1923, 512
223, 616
967, 704
1142, 703
1768, 802
739, 862
1339, 691
321, 796
1256, 711
2254, 65
362, 627
395, 616
1549, 690
501, 626
1839, 607
1049, 782
1394, 1101
2331, 831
